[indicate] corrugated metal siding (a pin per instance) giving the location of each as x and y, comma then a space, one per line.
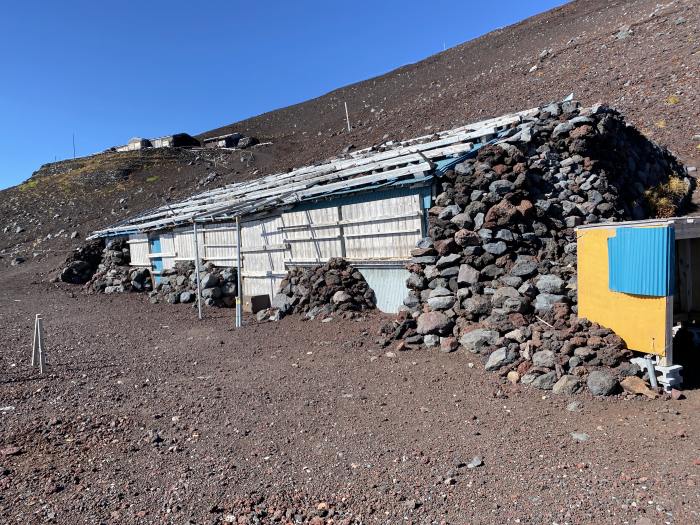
138, 246
640, 320
641, 261
389, 285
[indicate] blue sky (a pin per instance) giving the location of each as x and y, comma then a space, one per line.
110, 70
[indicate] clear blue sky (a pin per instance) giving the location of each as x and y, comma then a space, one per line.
110, 70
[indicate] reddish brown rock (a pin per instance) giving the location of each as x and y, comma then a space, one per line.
501, 214
446, 246
467, 238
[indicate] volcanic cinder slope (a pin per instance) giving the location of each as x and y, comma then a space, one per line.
640, 56
148, 415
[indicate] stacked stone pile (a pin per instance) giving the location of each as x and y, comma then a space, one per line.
501, 257
179, 285
332, 287
114, 275
82, 264
106, 269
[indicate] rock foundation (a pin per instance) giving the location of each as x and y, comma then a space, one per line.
114, 275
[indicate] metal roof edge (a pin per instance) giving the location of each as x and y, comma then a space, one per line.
641, 222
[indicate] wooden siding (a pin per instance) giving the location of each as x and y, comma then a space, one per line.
312, 243
220, 244
167, 249
138, 247
366, 232
392, 229
264, 255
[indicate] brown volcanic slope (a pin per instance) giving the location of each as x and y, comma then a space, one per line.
641, 56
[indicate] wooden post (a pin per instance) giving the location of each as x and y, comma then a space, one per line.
196, 269
347, 116
239, 296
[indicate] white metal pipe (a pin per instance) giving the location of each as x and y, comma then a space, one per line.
239, 297
197, 262
651, 370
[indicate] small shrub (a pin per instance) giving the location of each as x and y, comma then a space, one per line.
665, 199
152, 178
29, 185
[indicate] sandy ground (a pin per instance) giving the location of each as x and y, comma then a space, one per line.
147, 415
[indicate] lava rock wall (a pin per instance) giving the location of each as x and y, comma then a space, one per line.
320, 290
179, 285
82, 264
497, 274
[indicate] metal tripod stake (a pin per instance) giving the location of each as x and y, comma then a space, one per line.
38, 353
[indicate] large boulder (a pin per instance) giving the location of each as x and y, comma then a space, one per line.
209, 280
281, 302
467, 275
550, 284
433, 323
602, 383
478, 340
544, 302
500, 358
567, 385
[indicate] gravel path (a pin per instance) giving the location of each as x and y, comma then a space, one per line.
149, 416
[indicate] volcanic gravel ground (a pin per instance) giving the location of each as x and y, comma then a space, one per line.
147, 415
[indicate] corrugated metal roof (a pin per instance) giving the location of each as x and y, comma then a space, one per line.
641, 261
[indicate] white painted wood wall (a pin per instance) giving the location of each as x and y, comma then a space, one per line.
379, 231
138, 247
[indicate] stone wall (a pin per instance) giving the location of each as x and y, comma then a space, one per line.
82, 264
106, 269
321, 290
115, 275
179, 285
497, 276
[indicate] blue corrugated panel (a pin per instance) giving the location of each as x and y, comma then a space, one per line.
442, 166
641, 261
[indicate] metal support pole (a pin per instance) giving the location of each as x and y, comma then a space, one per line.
652, 372
196, 269
239, 298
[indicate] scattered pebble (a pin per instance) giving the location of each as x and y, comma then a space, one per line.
476, 461
581, 437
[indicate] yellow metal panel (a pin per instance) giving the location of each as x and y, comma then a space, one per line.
639, 320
